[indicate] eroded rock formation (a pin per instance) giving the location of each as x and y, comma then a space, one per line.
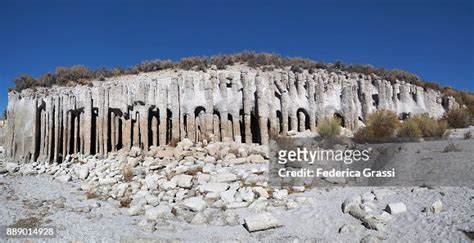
239, 104
3, 128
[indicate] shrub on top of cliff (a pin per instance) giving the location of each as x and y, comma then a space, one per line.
154, 65
409, 129
266, 61
458, 118
64, 75
25, 81
330, 127
195, 63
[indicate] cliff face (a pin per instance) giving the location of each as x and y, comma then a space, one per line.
3, 132
238, 103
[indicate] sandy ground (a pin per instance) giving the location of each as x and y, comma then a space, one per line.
25, 197
39, 200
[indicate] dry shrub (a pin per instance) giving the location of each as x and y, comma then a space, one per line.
364, 134
442, 129
91, 193
266, 61
429, 126
127, 173
458, 118
174, 211
125, 202
330, 127
467, 135
173, 142
30, 222
381, 125
409, 129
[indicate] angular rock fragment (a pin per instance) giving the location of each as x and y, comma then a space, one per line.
396, 208
262, 221
196, 204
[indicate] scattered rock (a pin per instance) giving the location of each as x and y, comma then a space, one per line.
151, 181
157, 212
134, 210
227, 196
214, 187
436, 207
396, 208
255, 159
196, 204
199, 218
349, 228
12, 167
371, 239
226, 177
261, 192
280, 194
261, 221
354, 201
63, 178
168, 185
83, 172
185, 181
380, 194
134, 152
107, 181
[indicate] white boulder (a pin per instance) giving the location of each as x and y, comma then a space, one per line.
261, 221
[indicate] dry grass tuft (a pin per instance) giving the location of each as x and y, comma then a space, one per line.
429, 126
467, 135
127, 173
91, 193
409, 129
125, 202
458, 118
330, 127
173, 142
381, 126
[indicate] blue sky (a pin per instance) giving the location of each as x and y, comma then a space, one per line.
433, 39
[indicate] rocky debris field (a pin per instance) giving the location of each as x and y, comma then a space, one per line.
215, 192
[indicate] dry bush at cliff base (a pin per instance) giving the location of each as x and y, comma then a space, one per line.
381, 125
409, 129
329, 127
458, 118
429, 126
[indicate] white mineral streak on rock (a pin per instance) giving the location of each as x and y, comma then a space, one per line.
164, 107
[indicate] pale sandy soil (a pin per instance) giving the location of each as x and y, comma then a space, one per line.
317, 220
28, 196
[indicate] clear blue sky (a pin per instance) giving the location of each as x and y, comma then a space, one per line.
431, 38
